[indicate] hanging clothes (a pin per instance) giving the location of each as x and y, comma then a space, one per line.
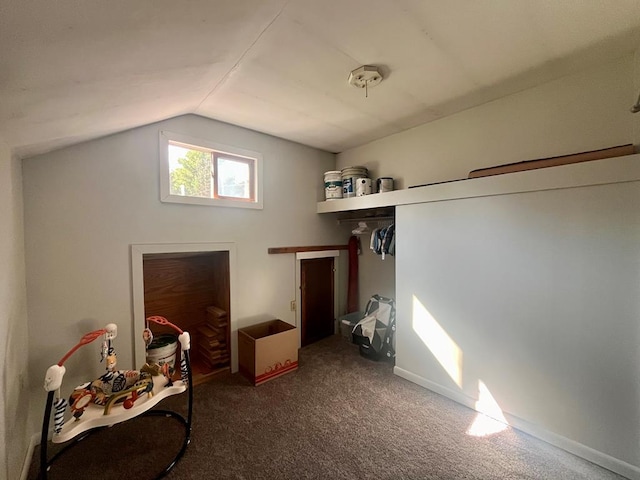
373, 245
389, 234
383, 241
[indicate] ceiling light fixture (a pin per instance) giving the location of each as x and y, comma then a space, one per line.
366, 76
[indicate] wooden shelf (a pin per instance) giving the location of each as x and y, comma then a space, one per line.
596, 172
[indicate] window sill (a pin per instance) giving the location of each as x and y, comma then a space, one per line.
211, 202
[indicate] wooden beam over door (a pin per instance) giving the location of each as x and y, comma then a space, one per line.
316, 248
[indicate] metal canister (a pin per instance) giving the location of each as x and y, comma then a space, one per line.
384, 184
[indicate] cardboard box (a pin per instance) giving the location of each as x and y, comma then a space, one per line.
267, 350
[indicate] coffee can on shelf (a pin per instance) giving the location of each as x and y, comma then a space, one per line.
384, 184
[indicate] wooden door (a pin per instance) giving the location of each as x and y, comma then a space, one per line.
316, 277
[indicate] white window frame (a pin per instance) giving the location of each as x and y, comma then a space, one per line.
165, 174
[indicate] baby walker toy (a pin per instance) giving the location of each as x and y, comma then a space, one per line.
114, 397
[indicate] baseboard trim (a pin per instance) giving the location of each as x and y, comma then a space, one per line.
595, 456
33, 441
435, 387
599, 458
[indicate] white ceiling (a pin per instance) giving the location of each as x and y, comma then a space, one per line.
80, 69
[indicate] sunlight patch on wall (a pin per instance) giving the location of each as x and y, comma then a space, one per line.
490, 418
441, 345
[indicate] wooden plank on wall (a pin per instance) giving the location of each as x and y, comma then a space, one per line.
316, 248
554, 161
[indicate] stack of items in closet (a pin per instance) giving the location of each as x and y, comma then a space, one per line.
383, 241
212, 338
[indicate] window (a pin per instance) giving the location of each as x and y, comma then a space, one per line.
200, 172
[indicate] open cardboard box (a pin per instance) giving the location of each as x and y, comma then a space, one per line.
267, 350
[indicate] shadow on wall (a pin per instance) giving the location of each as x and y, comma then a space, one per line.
450, 356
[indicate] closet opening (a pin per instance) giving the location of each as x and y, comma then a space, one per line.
190, 285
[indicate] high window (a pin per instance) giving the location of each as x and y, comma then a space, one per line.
200, 172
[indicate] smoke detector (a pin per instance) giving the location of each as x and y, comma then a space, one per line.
366, 76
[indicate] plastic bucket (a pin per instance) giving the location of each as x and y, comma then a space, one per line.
163, 350
332, 184
349, 177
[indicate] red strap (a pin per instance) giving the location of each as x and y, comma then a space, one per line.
91, 336
352, 292
88, 338
163, 321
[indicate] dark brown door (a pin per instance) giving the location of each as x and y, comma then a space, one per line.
316, 277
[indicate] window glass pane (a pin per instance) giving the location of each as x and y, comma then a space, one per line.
234, 178
190, 172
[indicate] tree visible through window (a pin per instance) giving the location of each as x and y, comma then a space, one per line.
190, 172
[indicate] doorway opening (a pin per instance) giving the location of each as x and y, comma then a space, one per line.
190, 285
317, 276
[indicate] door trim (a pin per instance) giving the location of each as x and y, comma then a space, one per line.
306, 256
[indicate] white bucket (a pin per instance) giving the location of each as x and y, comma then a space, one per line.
332, 184
163, 350
349, 177
363, 187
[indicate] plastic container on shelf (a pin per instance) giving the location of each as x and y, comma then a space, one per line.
349, 177
332, 184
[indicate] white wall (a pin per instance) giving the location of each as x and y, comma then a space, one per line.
542, 305
581, 112
85, 205
13, 320
538, 290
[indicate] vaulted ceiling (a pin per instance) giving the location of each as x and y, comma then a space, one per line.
80, 69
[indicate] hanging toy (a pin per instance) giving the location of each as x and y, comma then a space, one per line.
104, 351
108, 352
147, 336
111, 360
